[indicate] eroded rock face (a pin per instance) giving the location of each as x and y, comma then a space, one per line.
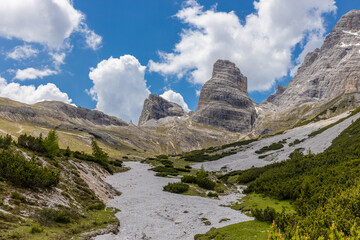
330, 71
155, 107
224, 100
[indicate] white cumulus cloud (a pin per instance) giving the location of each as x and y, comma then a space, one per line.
261, 46
31, 94
32, 73
22, 52
119, 87
175, 97
48, 22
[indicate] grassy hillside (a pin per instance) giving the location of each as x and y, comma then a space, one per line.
322, 188
46, 192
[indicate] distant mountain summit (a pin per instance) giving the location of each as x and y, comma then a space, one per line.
328, 72
224, 100
156, 107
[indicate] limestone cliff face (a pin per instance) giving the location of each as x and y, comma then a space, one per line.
330, 71
155, 107
224, 100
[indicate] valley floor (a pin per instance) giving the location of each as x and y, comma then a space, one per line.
148, 212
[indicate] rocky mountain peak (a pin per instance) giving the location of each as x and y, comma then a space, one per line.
156, 107
224, 100
327, 72
346, 28
227, 71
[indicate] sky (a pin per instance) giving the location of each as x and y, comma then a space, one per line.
111, 54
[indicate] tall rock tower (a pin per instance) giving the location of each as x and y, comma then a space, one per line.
224, 100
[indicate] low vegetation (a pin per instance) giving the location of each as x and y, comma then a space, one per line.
322, 188
176, 187
30, 169
272, 147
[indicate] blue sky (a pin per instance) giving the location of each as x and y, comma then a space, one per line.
64, 53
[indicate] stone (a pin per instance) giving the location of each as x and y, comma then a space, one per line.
224, 100
156, 107
328, 72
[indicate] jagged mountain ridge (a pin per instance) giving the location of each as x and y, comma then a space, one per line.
327, 72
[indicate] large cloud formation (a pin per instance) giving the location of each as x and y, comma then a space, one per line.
31, 94
47, 22
261, 46
119, 87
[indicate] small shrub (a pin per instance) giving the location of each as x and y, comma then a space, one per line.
36, 229
212, 194
176, 187
205, 183
167, 163
18, 196
188, 179
97, 206
162, 157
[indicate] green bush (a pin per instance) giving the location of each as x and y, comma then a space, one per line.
5, 141
97, 206
36, 229
272, 147
21, 172
164, 169
212, 194
188, 179
167, 163
49, 217
162, 157
176, 187
205, 183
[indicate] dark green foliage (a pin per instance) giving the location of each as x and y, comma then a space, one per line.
67, 152
36, 229
21, 172
164, 169
323, 187
296, 141
188, 167
97, 206
205, 183
117, 163
212, 194
49, 217
5, 141
100, 156
188, 179
267, 215
183, 170
32, 143
18, 196
159, 157
176, 187
208, 154
273, 146
51, 145
167, 163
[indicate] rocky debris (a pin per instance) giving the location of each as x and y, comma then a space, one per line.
156, 107
327, 72
224, 100
95, 177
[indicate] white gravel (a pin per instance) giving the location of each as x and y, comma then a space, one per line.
248, 158
147, 212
